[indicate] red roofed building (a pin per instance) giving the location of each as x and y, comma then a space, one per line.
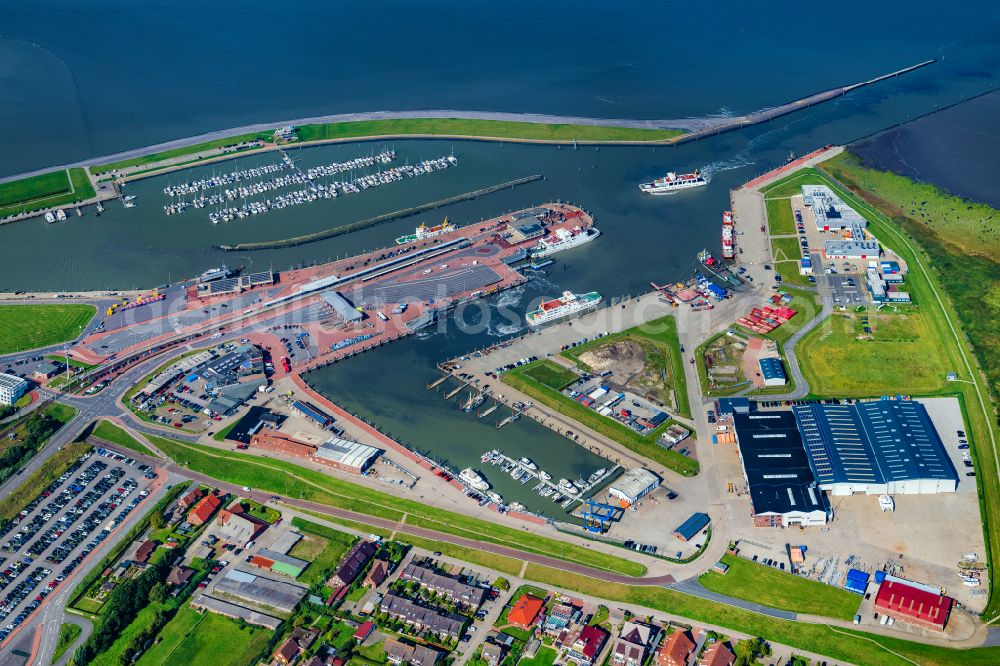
718, 654
364, 630
587, 645
143, 552
676, 650
524, 613
190, 498
913, 604
203, 510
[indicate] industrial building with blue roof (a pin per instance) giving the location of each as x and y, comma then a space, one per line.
773, 371
878, 447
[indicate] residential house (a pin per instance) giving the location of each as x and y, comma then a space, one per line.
190, 498
432, 620
633, 642
353, 564
561, 616
450, 588
179, 575
676, 649
525, 611
145, 551
587, 646
399, 652
287, 653
493, 653
717, 654
204, 509
377, 574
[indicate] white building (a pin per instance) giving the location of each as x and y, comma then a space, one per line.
633, 485
12, 388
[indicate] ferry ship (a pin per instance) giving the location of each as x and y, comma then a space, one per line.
567, 304
470, 478
672, 183
563, 239
214, 274
423, 231
728, 251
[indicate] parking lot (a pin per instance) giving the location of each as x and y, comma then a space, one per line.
61, 526
846, 289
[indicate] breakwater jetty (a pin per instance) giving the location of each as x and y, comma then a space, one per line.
379, 219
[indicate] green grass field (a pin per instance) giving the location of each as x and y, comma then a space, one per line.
765, 585
806, 307
780, 219
324, 550
645, 446
68, 633
195, 639
481, 128
550, 374
837, 363
24, 327
109, 432
55, 188
507, 565
291, 480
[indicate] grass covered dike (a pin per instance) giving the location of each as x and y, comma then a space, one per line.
290, 480
46, 190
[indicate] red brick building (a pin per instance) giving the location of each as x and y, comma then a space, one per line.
912, 604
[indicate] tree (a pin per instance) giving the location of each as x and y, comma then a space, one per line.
501, 584
157, 521
159, 593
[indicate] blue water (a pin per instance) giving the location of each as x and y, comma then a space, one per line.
84, 79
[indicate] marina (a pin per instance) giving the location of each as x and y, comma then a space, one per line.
564, 492
242, 184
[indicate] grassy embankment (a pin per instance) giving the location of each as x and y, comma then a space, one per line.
109, 432
322, 547
950, 246
291, 480
24, 327
660, 342
780, 219
486, 129
498, 129
778, 589
47, 190
933, 280
153, 158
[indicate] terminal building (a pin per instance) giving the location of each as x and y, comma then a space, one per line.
882, 447
12, 388
829, 210
783, 489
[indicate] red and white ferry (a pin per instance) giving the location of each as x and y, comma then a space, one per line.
728, 250
673, 182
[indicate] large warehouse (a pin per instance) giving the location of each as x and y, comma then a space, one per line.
782, 487
878, 447
633, 485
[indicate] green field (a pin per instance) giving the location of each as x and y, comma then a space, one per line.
780, 220
24, 327
324, 550
178, 152
786, 254
507, 565
483, 129
285, 478
550, 374
47, 190
837, 363
195, 639
777, 589
645, 446
109, 432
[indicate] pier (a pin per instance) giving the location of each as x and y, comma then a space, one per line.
565, 493
437, 382
451, 394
